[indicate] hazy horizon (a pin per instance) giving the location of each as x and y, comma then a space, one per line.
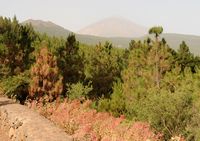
180, 16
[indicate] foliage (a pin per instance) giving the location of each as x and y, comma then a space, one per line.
157, 30
46, 80
116, 104
15, 46
84, 123
145, 71
169, 114
16, 86
70, 61
185, 58
148, 63
78, 91
105, 66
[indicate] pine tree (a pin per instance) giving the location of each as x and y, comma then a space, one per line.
185, 58
71, 62
146, 65
46, 81
16, 45
105, 67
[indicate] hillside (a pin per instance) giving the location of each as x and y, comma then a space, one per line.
114, 27
172, 39
55, 30
48, 27
191, 40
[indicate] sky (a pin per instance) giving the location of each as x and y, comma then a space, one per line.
176, 16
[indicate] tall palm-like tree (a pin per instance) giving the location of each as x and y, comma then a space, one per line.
156, 30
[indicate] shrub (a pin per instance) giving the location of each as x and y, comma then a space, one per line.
16, 86
168, 113
78, 91
85, 124
116, 105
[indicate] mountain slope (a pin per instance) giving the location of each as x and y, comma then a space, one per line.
114, 27
52, 29
173, 40
48, 27
192, 41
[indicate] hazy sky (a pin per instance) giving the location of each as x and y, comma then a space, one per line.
176, 16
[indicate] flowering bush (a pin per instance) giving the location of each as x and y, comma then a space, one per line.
86, 124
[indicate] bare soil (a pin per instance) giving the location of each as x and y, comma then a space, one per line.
3, 136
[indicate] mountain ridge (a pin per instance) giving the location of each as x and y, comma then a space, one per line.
173, 39
48, 27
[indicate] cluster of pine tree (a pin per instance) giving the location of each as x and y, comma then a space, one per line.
149, 81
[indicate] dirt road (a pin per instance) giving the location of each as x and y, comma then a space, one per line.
3, 136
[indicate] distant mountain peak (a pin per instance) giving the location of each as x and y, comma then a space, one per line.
48, 27
41, 23
114, 27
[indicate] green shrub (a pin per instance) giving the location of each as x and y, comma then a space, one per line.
116, 105
104, 105
78, 91
169, 113
16, 87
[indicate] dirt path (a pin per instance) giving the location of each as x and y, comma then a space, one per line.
32, 125
3, 136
